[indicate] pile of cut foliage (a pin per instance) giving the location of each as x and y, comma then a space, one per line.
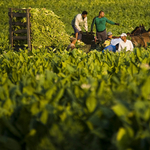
47, 28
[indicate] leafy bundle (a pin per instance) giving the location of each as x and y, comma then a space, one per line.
47, 29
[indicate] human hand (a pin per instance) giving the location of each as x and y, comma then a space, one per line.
117, 24
92, 32
81, 32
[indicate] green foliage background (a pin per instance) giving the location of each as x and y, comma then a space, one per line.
73, 100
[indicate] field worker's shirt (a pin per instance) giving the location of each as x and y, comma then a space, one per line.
107, 42
128, 45
79, 22
115, 41
100, 23
110, 48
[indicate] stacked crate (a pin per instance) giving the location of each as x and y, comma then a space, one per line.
23, 34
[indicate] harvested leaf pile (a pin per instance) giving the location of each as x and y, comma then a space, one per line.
47, 29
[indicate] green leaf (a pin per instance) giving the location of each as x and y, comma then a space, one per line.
10, 127
7, 143
91, 103
63, 116
44, 116
120, 134
59, 95
50, 92
123, 139
101, 88
120, 110
146, 88
35, 108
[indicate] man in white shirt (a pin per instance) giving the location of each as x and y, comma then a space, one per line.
125, 44
79, 21
115, 41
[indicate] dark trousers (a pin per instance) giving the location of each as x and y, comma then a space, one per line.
101, 36
77, 31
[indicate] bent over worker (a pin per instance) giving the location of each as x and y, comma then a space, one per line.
112, 48
108, 40
100, 23
78, 22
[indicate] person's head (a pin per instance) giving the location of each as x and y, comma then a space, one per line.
117, 46
84, 14
101, 14
123, 36
109, 35
73, 40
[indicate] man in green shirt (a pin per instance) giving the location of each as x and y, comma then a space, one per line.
100, 23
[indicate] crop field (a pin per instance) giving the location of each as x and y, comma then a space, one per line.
54, 99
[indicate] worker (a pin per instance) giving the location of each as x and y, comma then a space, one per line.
108, 40
72, 44
100, 22
79, 21
112, 48
125, 44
